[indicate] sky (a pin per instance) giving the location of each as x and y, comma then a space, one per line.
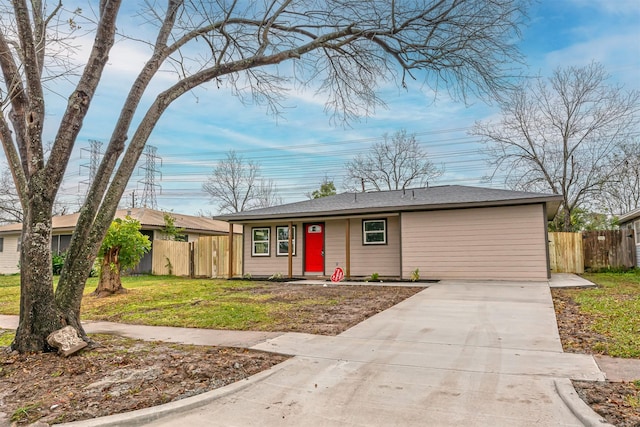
301, 146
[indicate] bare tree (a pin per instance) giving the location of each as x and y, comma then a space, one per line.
267, 194
235, 185
10, 210
621, 194
342, 48
396, 163
560, 135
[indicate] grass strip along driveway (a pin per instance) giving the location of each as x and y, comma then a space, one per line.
608, 315
604, 320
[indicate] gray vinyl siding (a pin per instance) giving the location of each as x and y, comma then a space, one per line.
484, 243
272, 264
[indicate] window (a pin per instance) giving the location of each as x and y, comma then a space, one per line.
374, 232
282, 240
1, 244
637, 227
260, 241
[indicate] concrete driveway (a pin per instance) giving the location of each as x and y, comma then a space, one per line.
459, 353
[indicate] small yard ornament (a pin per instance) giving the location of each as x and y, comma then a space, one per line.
337, 275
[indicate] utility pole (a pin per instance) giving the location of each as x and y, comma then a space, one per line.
150, 171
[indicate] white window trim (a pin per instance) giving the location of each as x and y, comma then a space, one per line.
293, 240
253, 241
365, 232
636, 226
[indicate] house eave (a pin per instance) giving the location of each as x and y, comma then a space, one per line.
630, 216
552, 203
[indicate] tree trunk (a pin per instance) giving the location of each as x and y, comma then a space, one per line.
109, 283
568, 227
38, 313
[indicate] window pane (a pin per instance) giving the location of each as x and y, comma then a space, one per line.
374, 226
374, 237
261, 248
261, 234
374, 231
260, 241
282, 241
283, 233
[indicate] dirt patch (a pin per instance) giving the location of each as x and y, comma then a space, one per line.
121, 375
617, 402
124, 375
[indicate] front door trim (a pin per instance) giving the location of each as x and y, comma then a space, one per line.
312, 250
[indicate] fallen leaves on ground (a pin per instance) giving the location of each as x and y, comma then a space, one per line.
618, 403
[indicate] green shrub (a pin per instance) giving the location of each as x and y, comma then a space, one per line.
58, 261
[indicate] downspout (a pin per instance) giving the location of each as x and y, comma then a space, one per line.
546, 239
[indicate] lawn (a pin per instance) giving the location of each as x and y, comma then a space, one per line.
614, 307
228, 304
172, 301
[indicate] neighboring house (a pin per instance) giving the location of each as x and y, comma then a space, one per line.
631, 221
446, 232
151, 222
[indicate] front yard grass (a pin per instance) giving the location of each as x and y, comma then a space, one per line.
183, 302
614, 307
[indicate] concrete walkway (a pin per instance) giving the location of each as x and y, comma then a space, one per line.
457, 353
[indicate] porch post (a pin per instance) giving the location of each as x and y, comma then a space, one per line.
230, 275
347, 250
290, 254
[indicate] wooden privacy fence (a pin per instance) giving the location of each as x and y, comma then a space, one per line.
566, 253
211, 256
591, 250
206, 257
609, 249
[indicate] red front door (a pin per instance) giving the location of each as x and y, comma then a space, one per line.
314, 248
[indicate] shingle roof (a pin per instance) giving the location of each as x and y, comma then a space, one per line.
148, 218
429, 198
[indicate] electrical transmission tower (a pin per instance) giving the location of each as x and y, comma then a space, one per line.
95, 151
149, 192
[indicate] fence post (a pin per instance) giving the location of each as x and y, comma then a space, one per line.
230, 251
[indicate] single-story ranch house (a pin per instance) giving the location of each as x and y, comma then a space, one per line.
443, 232
151, 222
631, 221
